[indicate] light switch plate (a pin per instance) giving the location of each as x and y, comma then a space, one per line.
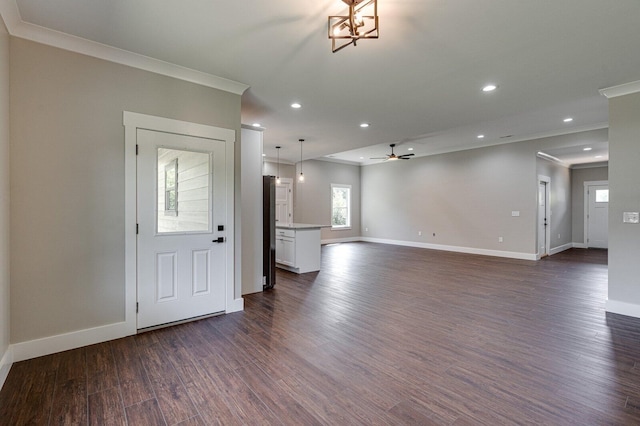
631, 217
515, 213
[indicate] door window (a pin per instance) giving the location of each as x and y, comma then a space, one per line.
184, 179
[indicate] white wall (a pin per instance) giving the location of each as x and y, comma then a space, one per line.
4, 202
624, 196
67, 180
578, 178
251, 210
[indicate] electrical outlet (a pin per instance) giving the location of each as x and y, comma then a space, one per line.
419, 233
558, 236
366, 229
500, 239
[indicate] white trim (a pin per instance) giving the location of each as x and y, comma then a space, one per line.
561, 248
551, 158
457, 249
622, 308
579, 245
5, 365
547, 181
341, 240
621, 90
66, 341
585, 202
18, 28
133, 121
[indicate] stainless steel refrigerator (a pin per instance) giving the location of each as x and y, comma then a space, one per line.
269, 231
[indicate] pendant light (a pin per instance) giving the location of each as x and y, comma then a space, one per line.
301, 177
278, 172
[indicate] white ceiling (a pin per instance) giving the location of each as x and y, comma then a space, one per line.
419, 84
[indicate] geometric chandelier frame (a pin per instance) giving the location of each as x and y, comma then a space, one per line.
361, 23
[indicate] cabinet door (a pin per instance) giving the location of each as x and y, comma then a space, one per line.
286, 251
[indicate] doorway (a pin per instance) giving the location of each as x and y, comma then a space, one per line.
284, 201
596, 219
544, 217
179, 244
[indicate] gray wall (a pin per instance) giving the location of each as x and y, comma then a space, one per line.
560, 200
465, 198
270, 168
67, 180
578, 178
4, 191
624, 196
312, 199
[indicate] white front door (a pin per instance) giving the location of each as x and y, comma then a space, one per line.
284, 201
598, 216
181, 211
543, 220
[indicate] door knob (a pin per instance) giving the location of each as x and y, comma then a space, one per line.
219, 240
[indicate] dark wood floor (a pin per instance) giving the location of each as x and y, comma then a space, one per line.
382, 335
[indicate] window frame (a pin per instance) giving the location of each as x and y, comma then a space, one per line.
348, 207
173, 164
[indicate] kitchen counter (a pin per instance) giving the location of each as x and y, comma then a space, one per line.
298, 247
302, 226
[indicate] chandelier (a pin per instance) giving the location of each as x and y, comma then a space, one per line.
361, 23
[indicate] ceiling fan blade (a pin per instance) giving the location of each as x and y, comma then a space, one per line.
405, 155
404, 158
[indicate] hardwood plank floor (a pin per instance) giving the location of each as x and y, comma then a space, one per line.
382, 335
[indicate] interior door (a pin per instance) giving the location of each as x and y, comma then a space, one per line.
598, 216
284, 202
543, 221
181, 207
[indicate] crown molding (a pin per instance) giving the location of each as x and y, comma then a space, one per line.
621, 90
18, 28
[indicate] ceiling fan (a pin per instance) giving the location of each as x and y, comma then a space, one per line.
392, 156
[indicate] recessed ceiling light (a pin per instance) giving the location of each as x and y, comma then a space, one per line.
256, 124
598, 156
264, 155
489, 88
296, 105
568, 120
480, 136
587, 149
364, 125
409, 149
362, 158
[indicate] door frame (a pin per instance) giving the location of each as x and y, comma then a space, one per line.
585, 201
547, 182
132, 122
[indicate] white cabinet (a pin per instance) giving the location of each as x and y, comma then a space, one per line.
286, 247
298, 248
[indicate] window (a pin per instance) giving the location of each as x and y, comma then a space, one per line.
602, 195
340, 206
171, 188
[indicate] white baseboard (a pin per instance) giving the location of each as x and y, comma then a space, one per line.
560, 249
341, 240
622, 308
579, 245
5, 365
468, 250
236, 306
67, 341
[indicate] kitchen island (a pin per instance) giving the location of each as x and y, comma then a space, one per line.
298, 247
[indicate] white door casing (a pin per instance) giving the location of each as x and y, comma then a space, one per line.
132, 122
596, 198
284, 201
181, 266
544, 217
